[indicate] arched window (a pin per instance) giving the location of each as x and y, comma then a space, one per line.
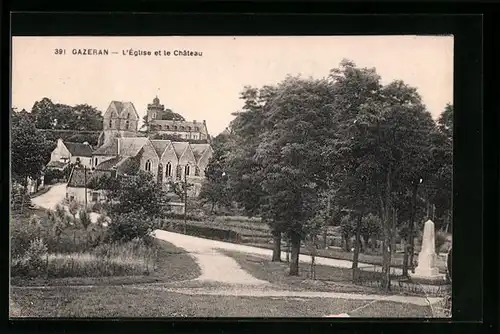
168, 127
197, 171
189, 128
127, 125
168, 170
187, 170
148, 166
128, 115
175, 127
95, 162
110, 123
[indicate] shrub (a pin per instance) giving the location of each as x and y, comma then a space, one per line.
60, 212
128, 226
97, 207
21, 235
73, 208
84, 218
35, 257
53, 175
20, 199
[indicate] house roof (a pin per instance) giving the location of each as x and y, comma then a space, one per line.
179, 148
77, 177
160, 145
79, 149
199, 149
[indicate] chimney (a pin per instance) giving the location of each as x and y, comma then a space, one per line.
204, 122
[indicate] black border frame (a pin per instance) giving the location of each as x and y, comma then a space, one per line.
468, 143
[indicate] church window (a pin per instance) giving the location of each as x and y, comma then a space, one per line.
168, 127
127, 125
110, 123
96, 161
148, 165
168, 170
197, 171
186, 170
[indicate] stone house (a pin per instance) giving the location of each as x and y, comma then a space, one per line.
68, 152
76, 187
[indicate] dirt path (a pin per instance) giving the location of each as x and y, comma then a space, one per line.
55, 196
182, 240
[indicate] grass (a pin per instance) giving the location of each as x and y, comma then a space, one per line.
117, 301
172, 264
327, 278
375, 259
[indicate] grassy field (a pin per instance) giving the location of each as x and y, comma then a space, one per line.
375, 259
327, 278
173, 264
114, 301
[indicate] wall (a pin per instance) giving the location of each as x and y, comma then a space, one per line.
59, 152
101, 158
79, 194
85, 161
149, 153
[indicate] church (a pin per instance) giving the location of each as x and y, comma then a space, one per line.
120, 144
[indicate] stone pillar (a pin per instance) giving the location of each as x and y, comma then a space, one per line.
427, 257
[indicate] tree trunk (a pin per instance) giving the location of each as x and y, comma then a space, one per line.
295, 251
276, 246
393, 230
357, 245
386, 222
346, 241
325, 234
410, 249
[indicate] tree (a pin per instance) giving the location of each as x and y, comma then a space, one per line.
135, 193
215, 190
296, 122
384, 128
30, 151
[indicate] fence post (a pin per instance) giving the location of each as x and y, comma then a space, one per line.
47, 266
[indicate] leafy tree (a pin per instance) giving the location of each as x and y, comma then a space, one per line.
215, 190
296, 122
29, 151
135, 193
127, 226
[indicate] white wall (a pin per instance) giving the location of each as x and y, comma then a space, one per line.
85, 161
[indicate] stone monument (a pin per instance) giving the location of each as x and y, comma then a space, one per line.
426, 268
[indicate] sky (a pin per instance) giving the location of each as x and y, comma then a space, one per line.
207, 87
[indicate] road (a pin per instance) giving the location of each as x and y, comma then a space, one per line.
197, 245
55, 196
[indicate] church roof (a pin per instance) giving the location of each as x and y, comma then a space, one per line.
79, 149
160, 145
179, 148
199, 150
123, 107
130, 147
108, 149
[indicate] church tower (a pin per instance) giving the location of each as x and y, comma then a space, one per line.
120, 120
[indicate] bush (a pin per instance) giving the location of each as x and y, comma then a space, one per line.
34, 259
85, 220
204, 231
128, 226
97, 207
21, 235
53, 175
19, 198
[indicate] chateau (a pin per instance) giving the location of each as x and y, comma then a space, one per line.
121, 144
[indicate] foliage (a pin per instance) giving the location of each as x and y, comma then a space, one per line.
74, 206
129, 225
215, 190
52, 175
136, 193
20, 199
29, 151
84, 218
35, 256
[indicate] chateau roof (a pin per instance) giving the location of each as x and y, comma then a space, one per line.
79, 149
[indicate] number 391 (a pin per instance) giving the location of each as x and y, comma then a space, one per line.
60, 51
